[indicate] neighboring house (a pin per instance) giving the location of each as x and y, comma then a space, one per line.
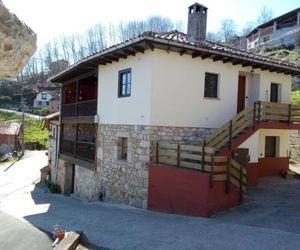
10, 134
173, 88
282, 30
51, 122
54, 104
42, 100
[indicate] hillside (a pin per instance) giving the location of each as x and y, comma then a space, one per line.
292, 55
33, 128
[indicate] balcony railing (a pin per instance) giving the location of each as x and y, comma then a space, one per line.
83, 108
85, 150
80, 150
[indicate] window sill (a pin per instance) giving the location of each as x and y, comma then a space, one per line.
212, 98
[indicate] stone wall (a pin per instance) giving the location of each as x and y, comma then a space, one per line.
87, 183
295, 146
126, 181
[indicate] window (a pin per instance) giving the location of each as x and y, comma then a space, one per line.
47, 103
122, 148
211, 85
124, 83
44, 96
271, 146
40, 103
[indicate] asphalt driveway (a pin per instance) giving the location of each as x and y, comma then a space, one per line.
269, 219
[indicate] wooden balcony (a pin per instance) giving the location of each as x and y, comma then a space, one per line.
78, 149
83, 108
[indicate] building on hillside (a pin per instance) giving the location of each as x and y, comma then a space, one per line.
282, 30
51, 122
185, 92
10, 135
42, 100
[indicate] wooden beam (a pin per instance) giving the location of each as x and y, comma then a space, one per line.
149, 45
235, 62
205, 56
182, 52
247, 64
196, 54
128, 52
139, 49
217, 58
102, 60
112, 58
227, 59
121, 55
255, 66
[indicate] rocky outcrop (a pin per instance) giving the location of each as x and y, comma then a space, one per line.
17, 43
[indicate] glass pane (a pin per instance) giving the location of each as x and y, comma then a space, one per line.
128, 89
123, 78
129, 77
123, 90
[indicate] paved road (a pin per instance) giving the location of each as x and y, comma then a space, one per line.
19, 235
270, 218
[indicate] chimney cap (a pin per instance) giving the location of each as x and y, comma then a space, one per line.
198, 5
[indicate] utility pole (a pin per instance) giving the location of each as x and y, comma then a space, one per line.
23, 116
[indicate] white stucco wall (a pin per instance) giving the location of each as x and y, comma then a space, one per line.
178, 91
256, 143
134, 109
168, 90
252, 144
285, 81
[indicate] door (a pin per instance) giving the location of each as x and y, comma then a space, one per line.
73, 179
241, 93
274, 92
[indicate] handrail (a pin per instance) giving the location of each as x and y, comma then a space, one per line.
203, 159
258, 112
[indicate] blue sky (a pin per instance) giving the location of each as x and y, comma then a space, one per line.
53, 18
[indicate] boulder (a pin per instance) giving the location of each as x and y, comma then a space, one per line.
17, 43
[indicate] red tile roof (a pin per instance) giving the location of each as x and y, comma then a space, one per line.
176, 40
9, 128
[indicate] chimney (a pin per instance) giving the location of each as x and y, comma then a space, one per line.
197, 20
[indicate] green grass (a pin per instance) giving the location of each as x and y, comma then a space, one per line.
296, 96
292, 56
33, 129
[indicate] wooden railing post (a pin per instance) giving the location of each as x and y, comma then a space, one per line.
157, 159
259, 111
212, 171
230, 134
228, 174
203, 154
178, 155
290, 114
254, 116
241, 178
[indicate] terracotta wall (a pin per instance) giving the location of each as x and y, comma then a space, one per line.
272, 166
187, 192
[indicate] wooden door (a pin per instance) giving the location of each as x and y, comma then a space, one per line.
274, 92
73, 179
241, 93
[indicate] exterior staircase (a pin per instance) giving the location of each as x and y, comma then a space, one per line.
215, 156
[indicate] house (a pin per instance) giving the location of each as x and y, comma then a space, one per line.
10, 134
166, 121
51, 122
42, 100
282, 30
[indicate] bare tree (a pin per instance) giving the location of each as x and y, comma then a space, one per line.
248, 27
228, 29
265, 14
213, 37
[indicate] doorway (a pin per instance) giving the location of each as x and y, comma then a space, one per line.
241, 94
274, 93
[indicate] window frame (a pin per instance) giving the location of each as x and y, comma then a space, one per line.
122, 147
120, 84
217, 87
43, 96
